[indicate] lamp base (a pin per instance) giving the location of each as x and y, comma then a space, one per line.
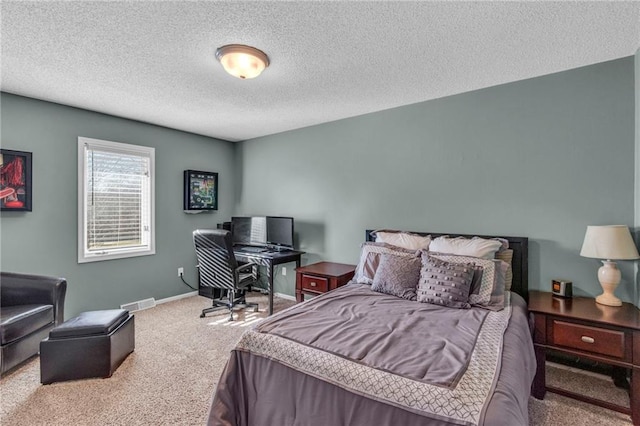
609, 277
608, 299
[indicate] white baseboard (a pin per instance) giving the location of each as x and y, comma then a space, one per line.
285, 296
178, 297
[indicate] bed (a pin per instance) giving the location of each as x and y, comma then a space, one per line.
354, 356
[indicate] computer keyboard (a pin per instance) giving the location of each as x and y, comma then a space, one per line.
253, 249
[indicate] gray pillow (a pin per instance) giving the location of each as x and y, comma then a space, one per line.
507, 256
476, 280
489, 293
445, 283
370, 259
397, 276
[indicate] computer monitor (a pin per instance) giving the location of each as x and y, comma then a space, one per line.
249, 230
280, 231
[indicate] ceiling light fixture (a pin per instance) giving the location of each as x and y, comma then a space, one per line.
242, 61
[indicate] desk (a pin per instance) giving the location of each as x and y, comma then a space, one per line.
269, 259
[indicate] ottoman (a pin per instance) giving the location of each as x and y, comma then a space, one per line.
93, 344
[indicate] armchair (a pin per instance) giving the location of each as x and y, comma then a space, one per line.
219, 269
30, 306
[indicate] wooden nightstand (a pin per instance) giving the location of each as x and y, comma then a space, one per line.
321, 277
581, 327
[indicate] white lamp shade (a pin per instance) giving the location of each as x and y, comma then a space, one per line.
612, 242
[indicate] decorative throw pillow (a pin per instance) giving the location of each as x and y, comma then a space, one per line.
507, 256
490, 293
476, 280
370, 259
445, 283
405, 240
397, 276
475, 247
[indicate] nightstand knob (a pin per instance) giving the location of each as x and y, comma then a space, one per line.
313, 284
588, 339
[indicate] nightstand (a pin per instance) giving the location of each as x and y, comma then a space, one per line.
580, 327
321, 277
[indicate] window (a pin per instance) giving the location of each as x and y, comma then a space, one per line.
115, 200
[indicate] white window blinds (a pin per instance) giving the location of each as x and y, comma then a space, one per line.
116, 200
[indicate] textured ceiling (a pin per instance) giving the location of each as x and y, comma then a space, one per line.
154, 61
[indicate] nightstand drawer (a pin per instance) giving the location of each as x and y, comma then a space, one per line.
591, 339
313, 283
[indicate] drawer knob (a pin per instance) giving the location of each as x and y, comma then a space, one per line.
588, 339
313, 284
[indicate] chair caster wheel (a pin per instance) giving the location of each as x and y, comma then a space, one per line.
201, 315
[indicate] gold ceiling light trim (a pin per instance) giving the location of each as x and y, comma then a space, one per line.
242, 61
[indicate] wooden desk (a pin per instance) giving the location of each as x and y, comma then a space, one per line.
269, 259
579, 326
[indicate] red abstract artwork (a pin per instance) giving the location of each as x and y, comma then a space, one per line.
15, 180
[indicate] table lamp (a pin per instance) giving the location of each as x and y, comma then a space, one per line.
610, 242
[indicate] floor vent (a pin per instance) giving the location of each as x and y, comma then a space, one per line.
139, 305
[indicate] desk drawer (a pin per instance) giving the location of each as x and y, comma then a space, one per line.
314, 283
591, 339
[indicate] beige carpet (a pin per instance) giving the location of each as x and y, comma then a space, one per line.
171, 376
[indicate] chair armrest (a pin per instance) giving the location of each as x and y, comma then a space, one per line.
245, 266
24, 289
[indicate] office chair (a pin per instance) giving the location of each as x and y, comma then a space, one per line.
218, 269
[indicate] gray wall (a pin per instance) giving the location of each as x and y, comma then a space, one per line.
44, 241
541, 158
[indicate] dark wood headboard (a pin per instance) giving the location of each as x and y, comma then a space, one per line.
519, 264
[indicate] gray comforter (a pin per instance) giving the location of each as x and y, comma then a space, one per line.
357, 357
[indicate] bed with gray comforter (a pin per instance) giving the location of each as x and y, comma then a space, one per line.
358, 357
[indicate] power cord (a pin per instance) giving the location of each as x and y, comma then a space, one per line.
187, 284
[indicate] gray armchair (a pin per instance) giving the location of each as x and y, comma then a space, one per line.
30, 306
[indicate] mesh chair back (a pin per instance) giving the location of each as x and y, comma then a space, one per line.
216, 261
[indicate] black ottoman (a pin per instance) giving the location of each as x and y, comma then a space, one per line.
93, 344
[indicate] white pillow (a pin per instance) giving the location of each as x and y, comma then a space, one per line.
404, 240
475, 247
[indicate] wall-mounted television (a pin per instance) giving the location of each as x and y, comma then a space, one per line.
200, 191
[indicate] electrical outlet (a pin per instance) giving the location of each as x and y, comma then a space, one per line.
284, 271
180, 271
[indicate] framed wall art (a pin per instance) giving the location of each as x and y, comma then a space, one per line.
200, 191
15, 180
